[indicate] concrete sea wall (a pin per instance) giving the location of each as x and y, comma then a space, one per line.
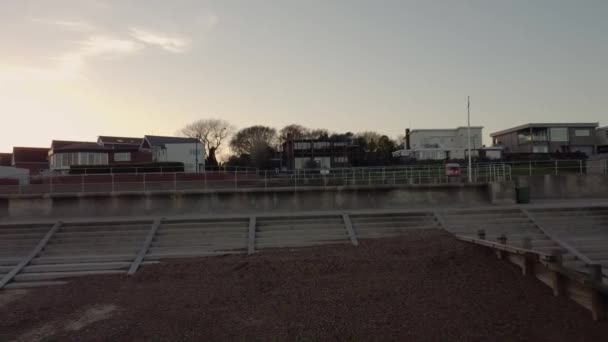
254, 200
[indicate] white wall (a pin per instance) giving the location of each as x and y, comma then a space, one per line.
183, 153
446, 138
23, 175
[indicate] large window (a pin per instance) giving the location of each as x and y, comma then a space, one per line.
122, 156
302, 146
559, 134
582, 133
321, 144
540, 149
65, 160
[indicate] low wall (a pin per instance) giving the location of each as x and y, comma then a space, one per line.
250, 200
566, 186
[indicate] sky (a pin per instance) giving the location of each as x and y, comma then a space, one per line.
73, 70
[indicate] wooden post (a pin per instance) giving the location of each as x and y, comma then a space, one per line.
557, 281
503, 241
598, 309
529, 264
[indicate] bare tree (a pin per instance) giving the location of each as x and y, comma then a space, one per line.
318, 133
212, 132
294, 131
371, 139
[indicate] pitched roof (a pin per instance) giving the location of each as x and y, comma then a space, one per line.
160, 141
30, 154
119, 140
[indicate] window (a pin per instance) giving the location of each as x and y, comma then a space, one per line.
340, 159
122, 156
302, 146
582, 133
321, 144
559, 134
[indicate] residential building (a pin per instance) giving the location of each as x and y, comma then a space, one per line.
321, 153
548, 138
6, 159
189, 151
602, 139
443, 144
64, 154
35, 159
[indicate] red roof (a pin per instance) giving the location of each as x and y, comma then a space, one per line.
77, 146
30, 154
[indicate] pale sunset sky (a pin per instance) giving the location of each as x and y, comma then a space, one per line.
77, 69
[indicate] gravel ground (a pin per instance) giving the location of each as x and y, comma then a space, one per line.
424, 286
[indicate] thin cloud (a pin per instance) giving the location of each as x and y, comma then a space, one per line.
170, 43
80, 26
70, 65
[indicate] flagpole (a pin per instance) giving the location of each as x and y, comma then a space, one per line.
470, 169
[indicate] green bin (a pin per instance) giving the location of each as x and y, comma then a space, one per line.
523, 194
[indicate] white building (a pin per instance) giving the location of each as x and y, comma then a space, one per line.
440, 144
445, 139
189, 151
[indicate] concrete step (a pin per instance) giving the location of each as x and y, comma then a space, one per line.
295, 230
285, 244
25, 231
278, 241
394, 226
21, 236
200, 235
101, 234
77, 267
210, 226
93, 245
33, 284
300, 224
83, 259
188, 254
6, 269
113, 240
396, 223
19, 242
10, 261
88, 251
303, 232
61, 275
367, 229
111, 226
206, 223
187, 249
200, 242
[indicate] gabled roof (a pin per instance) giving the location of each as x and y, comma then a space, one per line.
547, 125
30, 154
160, 141
104, 139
